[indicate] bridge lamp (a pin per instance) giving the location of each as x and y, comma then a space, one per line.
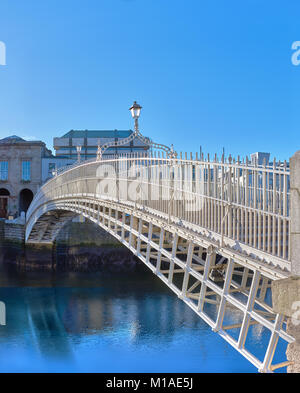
135, 110
135, 113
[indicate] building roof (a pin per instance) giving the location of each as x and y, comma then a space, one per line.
16, 141
98, 134
12, 139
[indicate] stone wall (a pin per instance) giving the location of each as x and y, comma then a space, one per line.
79, 246
88, 247
11, 242
14, 232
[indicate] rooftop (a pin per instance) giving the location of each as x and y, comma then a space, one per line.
13, 139
98, 134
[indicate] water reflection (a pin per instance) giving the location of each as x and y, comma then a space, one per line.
109, 323
61, 312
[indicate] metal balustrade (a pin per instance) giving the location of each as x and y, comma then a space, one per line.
240, 201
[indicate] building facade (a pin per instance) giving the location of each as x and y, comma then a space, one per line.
66, 146
260, 158
24, 167
51, 164
20, 173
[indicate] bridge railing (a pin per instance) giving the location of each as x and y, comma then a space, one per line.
238, 200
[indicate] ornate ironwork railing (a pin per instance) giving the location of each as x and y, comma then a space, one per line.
242, 201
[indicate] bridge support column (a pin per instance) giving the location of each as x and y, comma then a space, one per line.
295, 213
286, 292
286, 301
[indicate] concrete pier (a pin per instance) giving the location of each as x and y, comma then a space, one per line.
286, 292
286, 301
11, 242
295, 213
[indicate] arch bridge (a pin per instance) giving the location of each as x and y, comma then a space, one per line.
216, 232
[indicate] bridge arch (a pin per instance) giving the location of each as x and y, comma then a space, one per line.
188, 249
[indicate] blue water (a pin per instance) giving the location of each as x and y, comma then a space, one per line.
96, 322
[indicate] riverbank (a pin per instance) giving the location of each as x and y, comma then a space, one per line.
11, 242
79, 247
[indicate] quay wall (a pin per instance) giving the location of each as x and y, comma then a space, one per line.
11, 242
79, 246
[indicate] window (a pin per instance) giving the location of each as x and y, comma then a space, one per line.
26, 175
3, 170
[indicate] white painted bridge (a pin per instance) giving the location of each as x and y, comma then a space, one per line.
216, 232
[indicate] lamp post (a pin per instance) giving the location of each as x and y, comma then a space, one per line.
78, 152
135, 113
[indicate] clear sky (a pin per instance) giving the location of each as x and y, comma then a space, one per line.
212, 73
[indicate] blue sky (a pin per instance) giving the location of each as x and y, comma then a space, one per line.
212, 73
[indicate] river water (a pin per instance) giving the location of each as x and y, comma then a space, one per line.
107, 322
